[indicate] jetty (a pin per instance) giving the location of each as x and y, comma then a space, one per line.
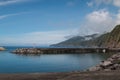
59, 50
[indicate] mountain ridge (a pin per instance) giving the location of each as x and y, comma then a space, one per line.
109, 40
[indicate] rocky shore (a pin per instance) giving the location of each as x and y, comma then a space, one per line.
112, 63
2, 48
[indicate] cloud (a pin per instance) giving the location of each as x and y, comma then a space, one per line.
117, 21
9, 15
90, 4
70, 3
115, 3
99, 2
7, 2
3, 16
100, 21
39, 38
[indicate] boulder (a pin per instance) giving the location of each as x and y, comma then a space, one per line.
106, 63
96, 68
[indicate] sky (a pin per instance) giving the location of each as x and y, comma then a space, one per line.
45, 22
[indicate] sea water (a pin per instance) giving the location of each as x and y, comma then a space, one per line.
15, 63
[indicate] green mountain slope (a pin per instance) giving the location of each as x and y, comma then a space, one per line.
74, 41
77, 41
111, 40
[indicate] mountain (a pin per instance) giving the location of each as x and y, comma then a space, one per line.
113, 38
74, 41
77, 41
110, 39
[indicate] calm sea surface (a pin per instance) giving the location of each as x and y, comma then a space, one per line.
13, 63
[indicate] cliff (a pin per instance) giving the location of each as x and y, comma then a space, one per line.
113, 38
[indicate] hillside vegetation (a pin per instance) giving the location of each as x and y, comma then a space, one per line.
111, 40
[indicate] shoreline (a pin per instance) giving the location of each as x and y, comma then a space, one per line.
76, 75
112, 63
97, 75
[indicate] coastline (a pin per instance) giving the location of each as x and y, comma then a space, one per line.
86, 75
112, 63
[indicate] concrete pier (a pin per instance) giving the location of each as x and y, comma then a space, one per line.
59, 50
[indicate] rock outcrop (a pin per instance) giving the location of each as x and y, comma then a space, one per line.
112, 63
2, 49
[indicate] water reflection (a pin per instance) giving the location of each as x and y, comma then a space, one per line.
25, 63
27, 55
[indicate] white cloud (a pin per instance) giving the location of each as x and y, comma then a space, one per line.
90, 4
105, 2
99, 2
7, 2
98, 16
70, 3
3, 16
117, 18
9, 15
100, 21
116, 3
39, 38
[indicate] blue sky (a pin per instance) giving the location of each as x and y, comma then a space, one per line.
45, 22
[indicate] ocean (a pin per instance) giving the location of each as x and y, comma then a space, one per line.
15, 63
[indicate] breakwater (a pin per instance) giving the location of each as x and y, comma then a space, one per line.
59, 50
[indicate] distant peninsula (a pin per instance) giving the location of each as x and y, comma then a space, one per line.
2, 48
